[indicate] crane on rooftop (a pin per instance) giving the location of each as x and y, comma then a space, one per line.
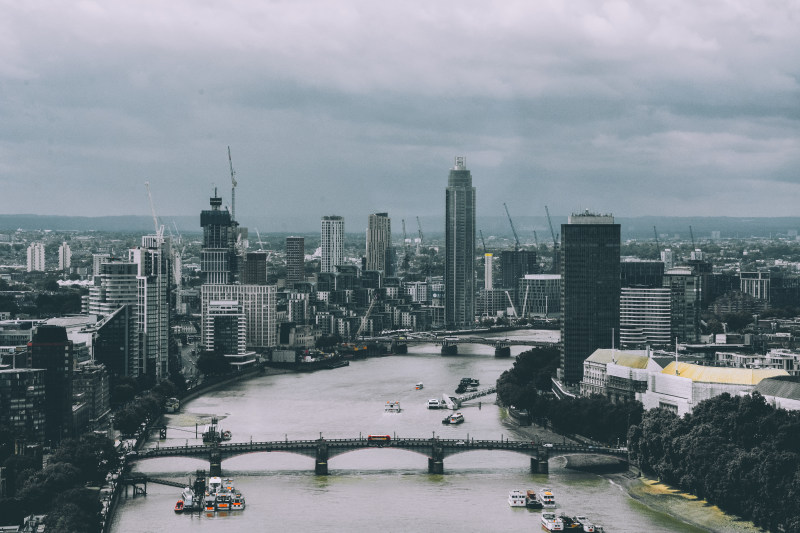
513, 230
159, 229
233, 186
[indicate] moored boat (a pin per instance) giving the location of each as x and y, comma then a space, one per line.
550, 522
586, 524
516, 498
179, 505
547, 497
532, 501
570, 524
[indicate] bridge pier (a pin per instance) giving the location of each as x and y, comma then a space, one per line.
502, 351
436, 460
321, 465
541, 464
399, 348
215, 466
449, 349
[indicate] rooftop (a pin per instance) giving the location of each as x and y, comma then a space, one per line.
727, 375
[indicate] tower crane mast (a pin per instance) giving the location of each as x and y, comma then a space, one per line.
550, 223
482, 241
159, 229
513, 230
233, 186
655, 234
691, 234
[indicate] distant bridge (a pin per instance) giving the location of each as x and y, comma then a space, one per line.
321, 450
450, 344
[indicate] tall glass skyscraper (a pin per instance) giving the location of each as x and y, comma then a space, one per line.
589, 289
459, 274
332, 243
217, 257
379, 243
295, 260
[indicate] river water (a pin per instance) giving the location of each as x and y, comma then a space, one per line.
374, 489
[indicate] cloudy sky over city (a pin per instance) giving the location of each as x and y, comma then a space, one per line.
352, 107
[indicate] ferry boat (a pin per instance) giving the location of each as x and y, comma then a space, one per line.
548, 500
456, 419
550, 522
586, 524
435, 403
516, 498
532, 501
392, 407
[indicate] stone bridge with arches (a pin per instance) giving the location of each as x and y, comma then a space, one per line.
321, 450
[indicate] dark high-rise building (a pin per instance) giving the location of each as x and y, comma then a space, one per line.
295, 260
50, 350
590, 289
686, 297
643, 274
22, 397
379, 243
217, 257
459, 274
116, 343
254, 271
517, 264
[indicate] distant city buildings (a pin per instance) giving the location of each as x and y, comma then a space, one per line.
459, 275
36, 257
590, 289
64, 257
332, 243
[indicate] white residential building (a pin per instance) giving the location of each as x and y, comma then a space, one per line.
258, 304
64, 257
36, 257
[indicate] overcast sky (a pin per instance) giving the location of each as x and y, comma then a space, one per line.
352, 107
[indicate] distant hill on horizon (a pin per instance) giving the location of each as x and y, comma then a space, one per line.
632, 227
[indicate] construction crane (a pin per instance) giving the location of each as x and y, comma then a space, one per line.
514, 231
366, 317
655, 234
405, 246
536, 239
691, 234
550, 223
159, 229
260, 244
233, 186
419, 244
482, 241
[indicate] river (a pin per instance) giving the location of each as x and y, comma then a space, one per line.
376, 489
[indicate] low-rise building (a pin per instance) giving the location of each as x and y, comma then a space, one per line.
681, 386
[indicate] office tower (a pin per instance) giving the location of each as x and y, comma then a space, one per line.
295, 260
332, 242
217, 257
22, 402
255, 269
153, 311
50, 350
258, 304
116, 342
459, 275
685, 302
36, 257
379, 243
590, 289
515, 264
115, 285
539, 294
487, 271
64, 256
225, 328
645, 317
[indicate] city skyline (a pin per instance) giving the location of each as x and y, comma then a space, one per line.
630, 109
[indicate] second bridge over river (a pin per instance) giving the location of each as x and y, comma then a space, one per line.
321, 450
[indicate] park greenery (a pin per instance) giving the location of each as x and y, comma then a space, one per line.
66, 489
737, 452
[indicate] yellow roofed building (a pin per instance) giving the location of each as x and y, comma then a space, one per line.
681, 386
